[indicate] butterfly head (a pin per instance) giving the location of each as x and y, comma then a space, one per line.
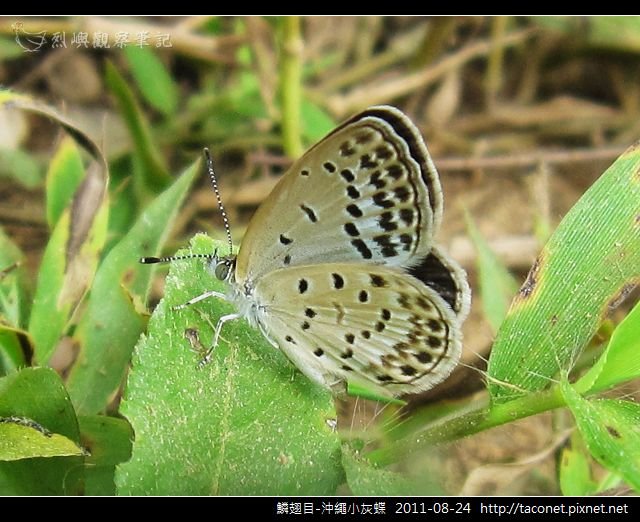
223, 267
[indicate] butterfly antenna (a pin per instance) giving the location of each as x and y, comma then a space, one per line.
169, 259
214, 182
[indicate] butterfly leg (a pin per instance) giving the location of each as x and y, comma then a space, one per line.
199, 298
216, 336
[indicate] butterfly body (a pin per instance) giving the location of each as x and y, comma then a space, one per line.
338, 267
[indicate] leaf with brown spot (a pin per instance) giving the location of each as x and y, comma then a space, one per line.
610, 431
589, 258
111, 323
71, 256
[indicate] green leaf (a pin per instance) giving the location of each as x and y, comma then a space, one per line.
610, 431
12, 356
63, 178
247, 423
112, 322
71, 255
586, 264
109, 440
575, 473
316, 123
497, 285
9, 50
14, 291
610, 32
14, 307
154, 175
21, 167
153, 79
65, 274
620, 361
38, 394
364, 479
22, 439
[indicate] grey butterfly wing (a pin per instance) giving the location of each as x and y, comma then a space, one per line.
368, 193
352, 322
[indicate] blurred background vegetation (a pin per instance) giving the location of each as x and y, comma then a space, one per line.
521, 115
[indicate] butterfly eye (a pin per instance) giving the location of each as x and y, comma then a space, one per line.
222, 270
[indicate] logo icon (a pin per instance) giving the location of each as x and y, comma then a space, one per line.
30, 42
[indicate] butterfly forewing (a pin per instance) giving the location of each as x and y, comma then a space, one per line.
367, 193
369, 324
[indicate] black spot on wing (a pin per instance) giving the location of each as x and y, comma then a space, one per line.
347, 175
353, 192
433, 273
380, 199
376, 180
378, 281
362, 248
354, 210
386, 222
351, 229
329, 167
309, 212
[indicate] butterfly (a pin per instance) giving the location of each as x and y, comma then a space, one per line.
338, 266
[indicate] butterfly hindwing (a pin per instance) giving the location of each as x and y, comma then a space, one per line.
369, 324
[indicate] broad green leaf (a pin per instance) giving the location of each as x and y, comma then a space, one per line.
153, 79
108, 440
364, 479
112, 323
20, 440
588, 262
610, 431
497, 285
71, 255
154, 175
620, 361
247, 423
575, 473
63, 178
38, 394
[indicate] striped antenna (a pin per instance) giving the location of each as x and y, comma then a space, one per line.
169, 259
214, 182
